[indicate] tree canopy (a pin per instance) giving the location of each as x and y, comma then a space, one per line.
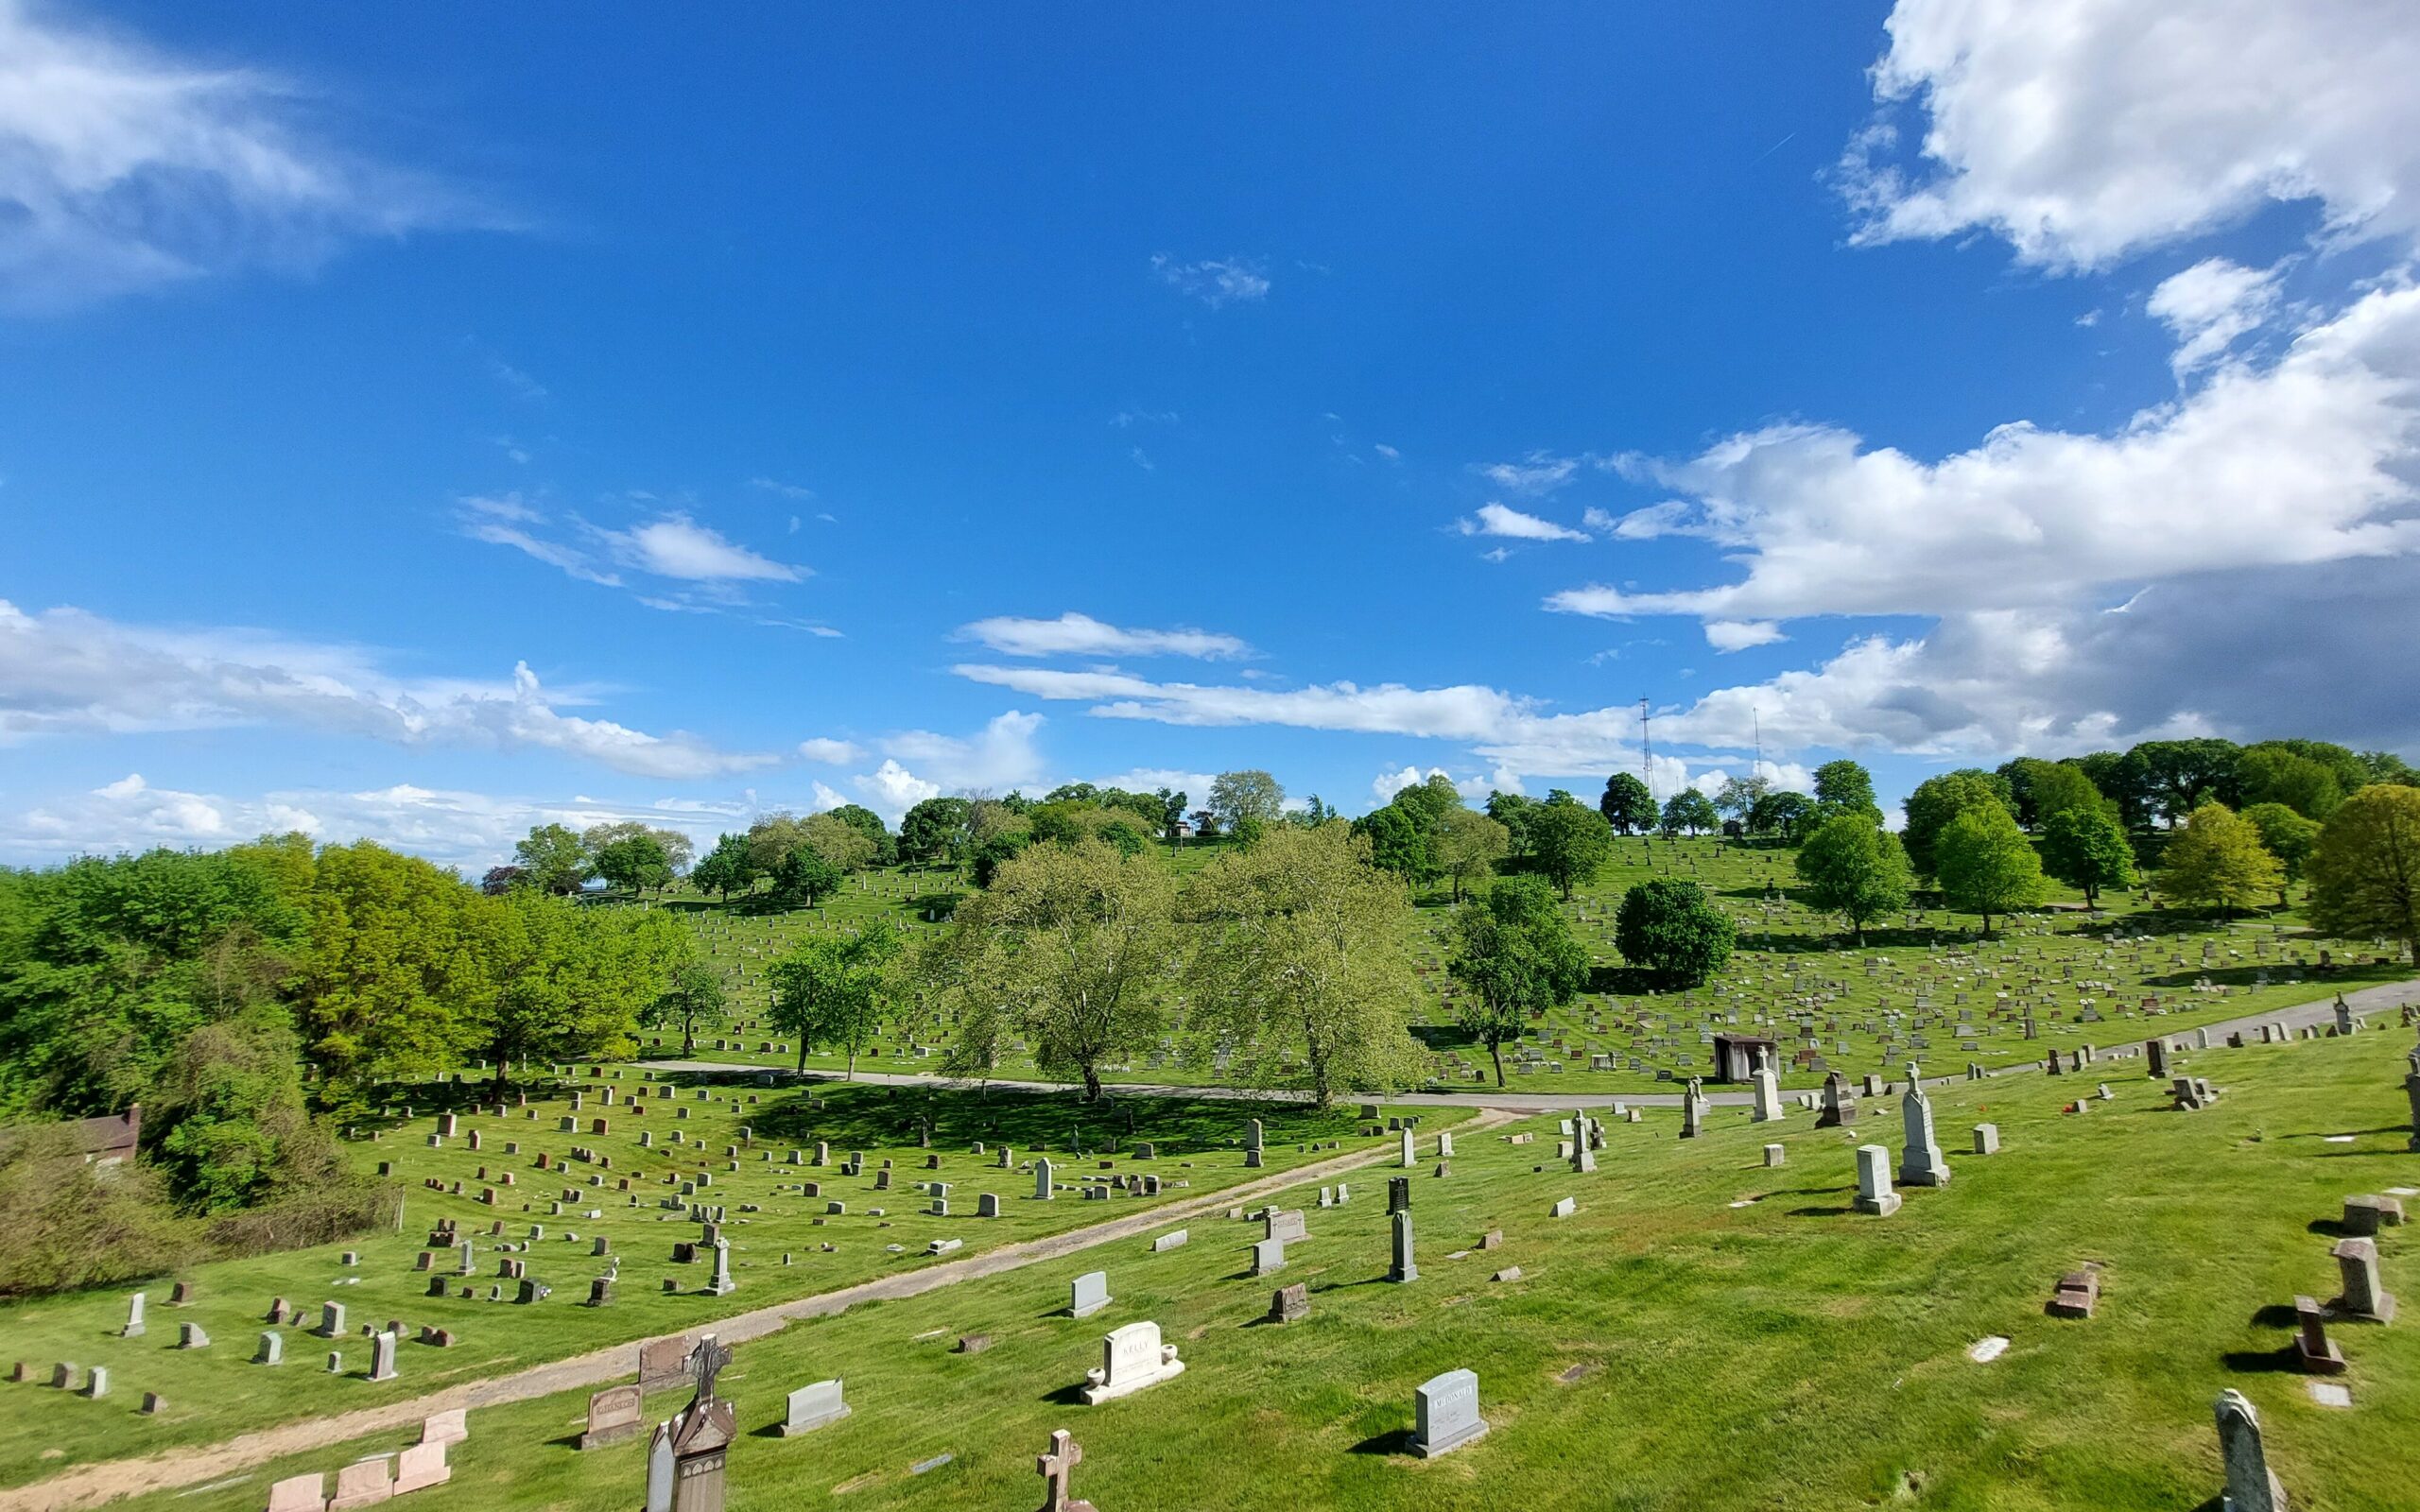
1852, 868
1668, 928
1516, 956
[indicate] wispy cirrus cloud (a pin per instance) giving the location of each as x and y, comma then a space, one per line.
1217, 282
1074, 634
123, 169
1497, 520
692, 567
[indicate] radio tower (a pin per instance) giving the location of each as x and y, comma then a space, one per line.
1756, 723
1646, 745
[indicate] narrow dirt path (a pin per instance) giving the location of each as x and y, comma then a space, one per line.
90, 1486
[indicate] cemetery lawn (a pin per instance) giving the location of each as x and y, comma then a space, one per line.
214, 1393
1704, 1333
2061, 964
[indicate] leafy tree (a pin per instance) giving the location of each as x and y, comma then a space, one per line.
1986, 864
1429, 802
2058, 786
844, 846
1937, 801
2217, 859
1852, 868
1739, 796
1789, 816
1846, 785
1122, 836
728, 867
995, 853
835, 990
1068, 949
1668, 928
1171, 814
1251, 794
867, 823
635, 861
1467, 846
693, 998
1569, 843
934, 834
393, 966
2176, 777
1513, 811
1297, 969
553, 859
2271, 773
1627, 805
1397, 843
804, 878
2116, 778
2365, 869
565, 982
2084, 845
676, 847
1516, 955
2287, 836
1690, 810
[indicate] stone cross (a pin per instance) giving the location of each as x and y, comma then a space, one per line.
1056, 1468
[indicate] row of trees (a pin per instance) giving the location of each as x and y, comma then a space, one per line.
554, 858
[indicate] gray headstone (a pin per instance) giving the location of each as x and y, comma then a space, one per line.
811, 1407
1446, 1413
1088, 1294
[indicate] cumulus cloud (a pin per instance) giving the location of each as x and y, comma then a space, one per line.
66, 672
123, 169
1496, 520
2084, 131
1073, 634
2309, 459
831, 752
2210, 306
1217, 282
1384, 787
921, 764
1738, 635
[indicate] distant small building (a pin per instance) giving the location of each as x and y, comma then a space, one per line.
1735, 1055
111, 1138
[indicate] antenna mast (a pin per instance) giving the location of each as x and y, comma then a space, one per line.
1757, 724
1646, 745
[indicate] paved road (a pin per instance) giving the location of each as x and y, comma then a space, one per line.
2383, 999
90, 1485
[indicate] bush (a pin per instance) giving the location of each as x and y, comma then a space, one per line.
1667, 928
72, 1225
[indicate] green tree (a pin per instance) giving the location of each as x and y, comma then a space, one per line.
1937, 801
934, 832
867, 823
2287, 836
2084, 845
1852, 868
2273, 773
1669, 929
2043, 788
836, 989
1297, 969
554, 859
1251, 794
1516, 956
633, 862
1845, 785
728, 867
1569, 843
1788, 817
1986, 864
2216, 859
2116, 777
677, 848
844, 846
1397, 843
1739, 797
1467, 846
804, 878
1070, 949
1513, 811
2365, 869
2176, 777
567, 982
1171, 814
393, 966
1690, 810
1628, 806
692, 999
995, 853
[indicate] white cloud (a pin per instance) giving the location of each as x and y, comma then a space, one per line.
1384, 787
919, 763
890, 790
123, 169
1215, 281
1738, 635
1074, 634
831, 752
782, 489
1196, 785
678, 546
2087, 130
65, 672
702, 571
1390, 453
2209, 305
2307, 461
469, 831
1538, 472
1496, 520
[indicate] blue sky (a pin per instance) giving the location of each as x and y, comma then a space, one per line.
422, 426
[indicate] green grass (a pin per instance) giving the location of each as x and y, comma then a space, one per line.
1783, 948
1705, 1334
214, 1393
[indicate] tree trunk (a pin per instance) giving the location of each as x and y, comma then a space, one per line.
1496, 1053
1092, 1083
853, 1062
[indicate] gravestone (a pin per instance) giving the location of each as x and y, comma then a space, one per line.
664, 1362
331, 1319
1840, 1104
721, 1284
271, 1350
2364, 1298
1132, 1359
1565, 1208
1043, 1189
1767, 1092
363, 1483
1873, 1194
2250, 1485
1987, 1138
1173, 1239
382, 1357
2313, 1351
1921, 1163
812, 1407
300, 1493
133, 1329
1446, 1413
422, 1466
1268, 1256
1088, 1294
1285, 1225
1290, 1304
1055, 1468
612, 1415
190, 1336
1252, 1141
1401, 1267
